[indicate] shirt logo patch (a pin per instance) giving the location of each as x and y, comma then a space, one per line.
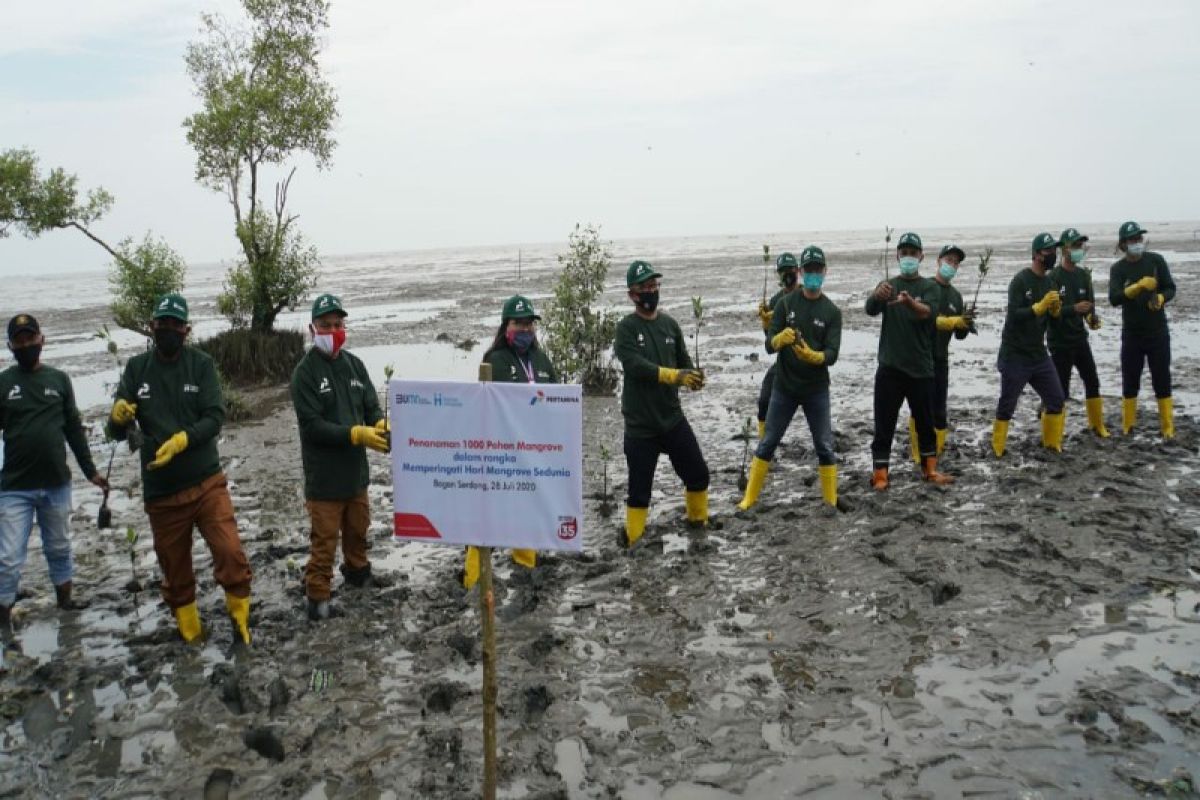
52, 392
191, 388
14, 393
356, 383
143, 391
818, 323
641, 340
791, 316
324, 387
669, 340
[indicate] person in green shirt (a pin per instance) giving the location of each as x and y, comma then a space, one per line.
173, 392
1068, 333
908, 304
650, 346
955, 321
339, 417
788, 271
1141, 284
1023, 361
806, 331
515, 357
40, 419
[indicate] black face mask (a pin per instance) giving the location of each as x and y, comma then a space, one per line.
169, 342
1048, 261
789, 279
647, 301
27, 357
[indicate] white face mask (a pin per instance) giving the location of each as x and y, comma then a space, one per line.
329, 343
1135, 248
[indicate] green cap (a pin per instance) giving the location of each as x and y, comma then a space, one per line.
1070, 236
812, 255
952, 248
325, 304
640, 272
1129, 230
909, 240
785, 261
171, 305
518, 307
1044, 241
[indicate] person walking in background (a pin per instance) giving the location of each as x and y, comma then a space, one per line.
787, 269
650, 346
1068, 333
39, 418
1141, 284
1032, 302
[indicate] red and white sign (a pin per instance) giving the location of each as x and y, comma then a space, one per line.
488, 464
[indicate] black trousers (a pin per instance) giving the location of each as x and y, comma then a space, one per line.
1139, 350
641, 457
893, 388
764, 393
941, 390
1078, 357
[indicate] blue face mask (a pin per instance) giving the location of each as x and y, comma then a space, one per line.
1078, 255
909, 265
947, 271
813, 281
520, 340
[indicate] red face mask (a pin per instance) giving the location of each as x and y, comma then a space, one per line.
329, 343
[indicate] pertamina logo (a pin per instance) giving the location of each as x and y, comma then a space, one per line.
143, 391
542, 397
324, 388
15, 392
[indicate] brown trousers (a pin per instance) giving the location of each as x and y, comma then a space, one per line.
205, 506
352, 517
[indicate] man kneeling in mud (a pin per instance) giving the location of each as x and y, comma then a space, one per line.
339, 417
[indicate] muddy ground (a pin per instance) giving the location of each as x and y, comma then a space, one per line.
1031, 631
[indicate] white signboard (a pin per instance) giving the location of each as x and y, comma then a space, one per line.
489, 464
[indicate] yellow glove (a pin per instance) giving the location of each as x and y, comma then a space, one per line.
366, 436
785, 337
952, 324
764, 316
383, 426
169, 449
1156, 303
1094, 322
669, 376
123, 413
693, 379
1146, 284
1048, 302
807, 354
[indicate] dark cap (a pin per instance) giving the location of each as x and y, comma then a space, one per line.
909, 240
518, 307
22, 323
171, 305
327, 304
1043, 241
1070, 236
785, 262
640, 272
1128, 230
812, 255
952, 248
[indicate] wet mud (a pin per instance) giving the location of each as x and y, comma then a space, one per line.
1031, 631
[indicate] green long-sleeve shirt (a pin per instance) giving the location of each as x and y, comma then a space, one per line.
905, 340
40, 418
819, 323
950, 305
173, 396
642, 346
330, 396
1074, 286
1137, 318
1024, 338
508, 367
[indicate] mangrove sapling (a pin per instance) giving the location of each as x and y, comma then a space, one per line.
606, 504
985, 259
743, 481
388, 372
766, 261
884, 261
698, 315
131, 539
133, 434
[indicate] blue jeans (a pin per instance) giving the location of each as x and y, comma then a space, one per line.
17, 510
779, 416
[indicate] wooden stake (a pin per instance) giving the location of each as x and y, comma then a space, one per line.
487, 615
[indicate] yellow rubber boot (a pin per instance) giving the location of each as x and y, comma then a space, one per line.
1052, 430
754, 485
1095, 415
940, 433
471, 567
828, 473
696, 504
525, 557
912, 441
762, 428
635, 524
1166, 417
239, 609
188, 619
1128, 414
999, 436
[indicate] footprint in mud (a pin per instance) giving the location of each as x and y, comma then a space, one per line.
537, 700
264, 741
441, 697
219, 782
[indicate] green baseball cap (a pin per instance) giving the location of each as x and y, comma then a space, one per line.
812, 255
785, 261
952, 248
909, 240
1129, 230
518, 307
171, 305
640, 272
327, 303
1070, 236
1044, 241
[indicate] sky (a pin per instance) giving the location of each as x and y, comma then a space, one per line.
469, 123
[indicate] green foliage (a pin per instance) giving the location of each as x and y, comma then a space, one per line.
263, 100
33, 205
138, 277
249, 357
579, 336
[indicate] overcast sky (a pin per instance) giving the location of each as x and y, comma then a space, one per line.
469, 123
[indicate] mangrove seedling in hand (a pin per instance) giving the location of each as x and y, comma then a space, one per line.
698, 314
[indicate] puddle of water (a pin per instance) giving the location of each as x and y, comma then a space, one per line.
433, 361
570, 756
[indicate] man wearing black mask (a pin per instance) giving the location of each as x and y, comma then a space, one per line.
174, 394
37, 413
